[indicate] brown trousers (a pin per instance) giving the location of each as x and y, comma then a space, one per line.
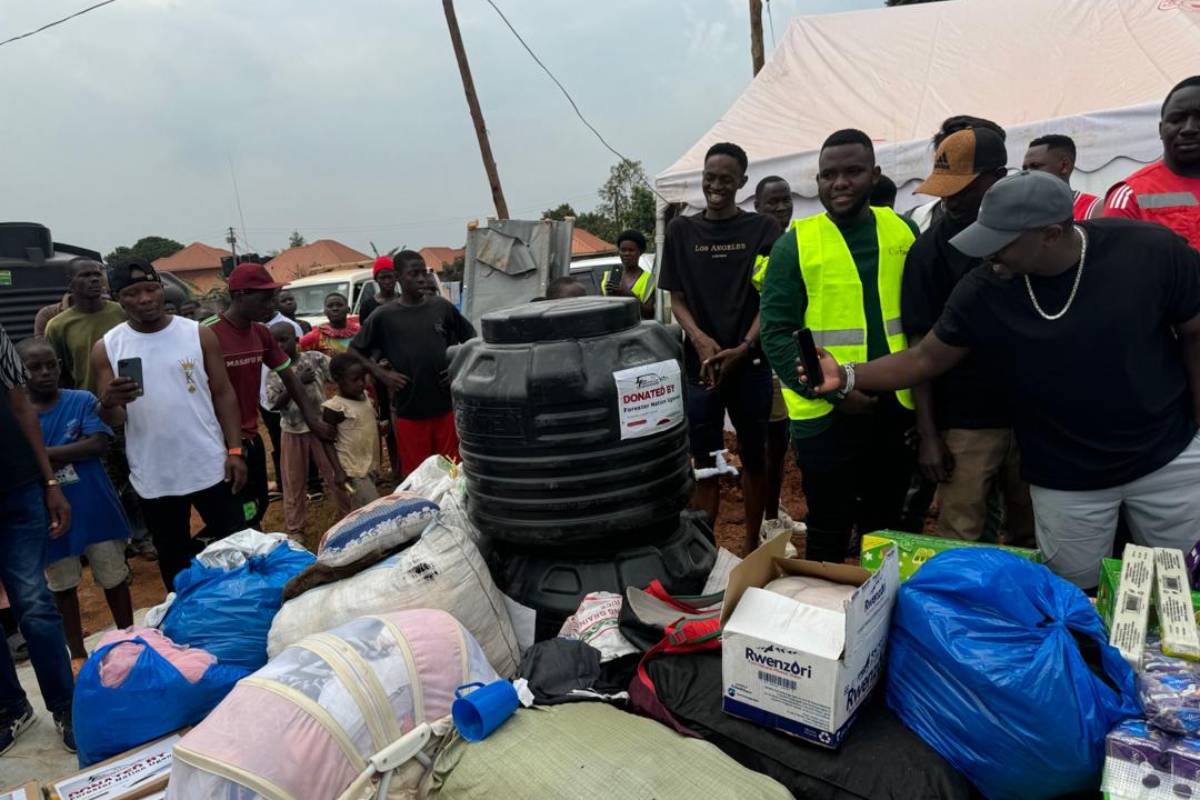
984, 460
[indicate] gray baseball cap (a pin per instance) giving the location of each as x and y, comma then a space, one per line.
1023, 201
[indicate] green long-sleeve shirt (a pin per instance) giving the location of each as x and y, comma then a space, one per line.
785, 299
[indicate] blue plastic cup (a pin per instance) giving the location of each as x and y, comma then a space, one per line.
478, 713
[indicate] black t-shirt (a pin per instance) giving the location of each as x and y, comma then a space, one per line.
968, 396
414, 340
711, 263
1100, 395
17, 463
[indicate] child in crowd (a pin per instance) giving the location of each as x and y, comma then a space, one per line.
75, 439
334, 336
299, 446
564, 287
355, 455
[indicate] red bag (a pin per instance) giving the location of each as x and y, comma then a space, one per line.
697, 628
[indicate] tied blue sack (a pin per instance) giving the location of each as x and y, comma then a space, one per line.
228, 612
987, 666
153, 701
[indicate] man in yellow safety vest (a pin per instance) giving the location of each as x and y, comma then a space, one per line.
839, 274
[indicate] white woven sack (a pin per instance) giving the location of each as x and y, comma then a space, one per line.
442, 570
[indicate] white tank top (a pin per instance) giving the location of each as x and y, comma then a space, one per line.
173, 441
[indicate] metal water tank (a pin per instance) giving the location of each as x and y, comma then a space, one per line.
572, 425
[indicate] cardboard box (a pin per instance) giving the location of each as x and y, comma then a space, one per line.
1132, 609
1106, 595
915, 549
798, 668
26, 791
137, 774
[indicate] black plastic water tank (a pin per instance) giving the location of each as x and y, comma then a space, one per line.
571, 421
555, 583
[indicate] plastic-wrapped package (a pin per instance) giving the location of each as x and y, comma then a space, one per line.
812, 591
1143, 763
1169, 689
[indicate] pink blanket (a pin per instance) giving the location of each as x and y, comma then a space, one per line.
191, 662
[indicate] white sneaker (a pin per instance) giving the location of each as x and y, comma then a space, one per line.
772, 528
786, 519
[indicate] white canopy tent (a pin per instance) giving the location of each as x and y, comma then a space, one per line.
1096, 70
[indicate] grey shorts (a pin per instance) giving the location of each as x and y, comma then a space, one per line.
1075, 530
107, 560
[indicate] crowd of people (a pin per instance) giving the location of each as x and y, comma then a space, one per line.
128, 385
1022, 350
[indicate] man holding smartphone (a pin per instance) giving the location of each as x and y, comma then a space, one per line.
1102, 363
839, 275
707, 265
182, 435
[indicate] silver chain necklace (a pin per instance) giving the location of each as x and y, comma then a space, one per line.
1074, 289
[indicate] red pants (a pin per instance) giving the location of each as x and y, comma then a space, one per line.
418, 439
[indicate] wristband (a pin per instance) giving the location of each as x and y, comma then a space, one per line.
848, 374
234, 451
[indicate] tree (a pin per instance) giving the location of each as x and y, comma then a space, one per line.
150, 248
296, 240
560, 213
617, 193
626, 201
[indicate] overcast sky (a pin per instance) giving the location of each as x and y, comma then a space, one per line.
347, 119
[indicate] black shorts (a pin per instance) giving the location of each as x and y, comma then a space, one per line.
747, 397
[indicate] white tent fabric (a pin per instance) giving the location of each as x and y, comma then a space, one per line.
1096, 70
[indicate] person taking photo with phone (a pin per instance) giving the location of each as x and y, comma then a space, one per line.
164, 377
630, 280
1102, 363
839, 274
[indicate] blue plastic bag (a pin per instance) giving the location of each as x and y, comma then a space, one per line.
985, 666
228, 612
154, 700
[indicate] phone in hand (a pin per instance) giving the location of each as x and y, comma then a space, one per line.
809, 358
131, 368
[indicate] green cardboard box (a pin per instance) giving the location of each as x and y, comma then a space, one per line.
915, 550
1110, 578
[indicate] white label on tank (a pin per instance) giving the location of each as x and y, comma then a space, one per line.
650, 398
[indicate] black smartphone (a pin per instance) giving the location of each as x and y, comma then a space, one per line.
131, 368
809, 358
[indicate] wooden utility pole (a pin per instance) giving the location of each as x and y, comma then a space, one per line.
756, 42
485, 149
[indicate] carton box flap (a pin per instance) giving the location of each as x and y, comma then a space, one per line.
785, 622
756, 569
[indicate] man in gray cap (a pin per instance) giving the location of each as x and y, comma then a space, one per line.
1094, 329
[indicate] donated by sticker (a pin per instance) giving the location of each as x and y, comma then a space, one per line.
649, 398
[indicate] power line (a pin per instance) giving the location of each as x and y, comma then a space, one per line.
771, 19
567, 95
56, 22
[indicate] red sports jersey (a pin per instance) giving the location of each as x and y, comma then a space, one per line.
1084, 203
1155, 194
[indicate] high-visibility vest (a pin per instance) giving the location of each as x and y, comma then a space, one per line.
835, 296
760, 272
643, 288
